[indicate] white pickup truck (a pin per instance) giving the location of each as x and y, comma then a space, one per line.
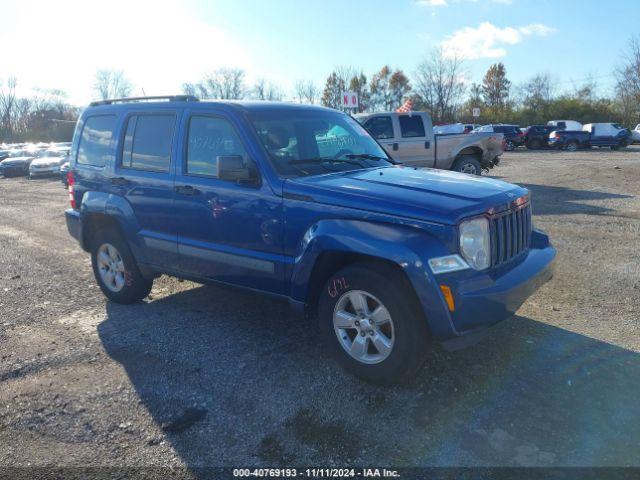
408, 138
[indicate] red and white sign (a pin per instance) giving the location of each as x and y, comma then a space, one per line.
349, 100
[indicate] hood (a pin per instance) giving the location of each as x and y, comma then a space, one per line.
15, 160
426, 194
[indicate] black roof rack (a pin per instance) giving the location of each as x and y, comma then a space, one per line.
170, 98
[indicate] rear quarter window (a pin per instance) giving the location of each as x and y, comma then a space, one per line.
95, 146
147, 142
411, 126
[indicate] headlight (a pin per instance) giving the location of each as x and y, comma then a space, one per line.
474, 242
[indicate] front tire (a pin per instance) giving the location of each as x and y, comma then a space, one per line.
371, 324
115, 269
467, 164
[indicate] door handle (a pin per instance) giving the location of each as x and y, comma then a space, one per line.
427, 144
119, 181
187, 190
393, 145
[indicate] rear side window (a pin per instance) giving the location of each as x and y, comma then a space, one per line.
380, 127
411, 126
210, 138
95, 147
147, 142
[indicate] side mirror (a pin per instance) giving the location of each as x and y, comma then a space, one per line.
234, 169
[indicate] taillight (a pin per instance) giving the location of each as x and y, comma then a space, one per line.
71, 181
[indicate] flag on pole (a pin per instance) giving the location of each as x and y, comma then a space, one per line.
406, 107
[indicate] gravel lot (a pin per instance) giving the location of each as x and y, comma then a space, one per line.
204, 376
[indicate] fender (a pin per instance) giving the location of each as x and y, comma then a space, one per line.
406, 246
117, 208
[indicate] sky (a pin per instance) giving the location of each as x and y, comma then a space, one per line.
162, 44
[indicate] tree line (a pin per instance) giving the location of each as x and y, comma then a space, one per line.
45, 116
439, 85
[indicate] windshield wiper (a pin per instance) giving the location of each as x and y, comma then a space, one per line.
368, 156
323, 160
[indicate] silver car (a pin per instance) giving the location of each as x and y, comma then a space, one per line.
48, 162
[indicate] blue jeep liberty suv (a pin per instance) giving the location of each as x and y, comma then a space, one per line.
300, 202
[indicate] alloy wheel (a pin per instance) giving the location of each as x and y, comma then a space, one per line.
364, 327
111, 267
469, 168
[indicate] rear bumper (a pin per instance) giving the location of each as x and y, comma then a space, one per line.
484, 299
13, 171
74, 225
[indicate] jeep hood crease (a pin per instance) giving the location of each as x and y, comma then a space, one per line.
425, 194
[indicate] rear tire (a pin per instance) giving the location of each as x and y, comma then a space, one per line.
116, 270
384, 347
534, 145
467, 164
572, 146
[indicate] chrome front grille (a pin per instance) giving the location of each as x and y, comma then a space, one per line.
510, 234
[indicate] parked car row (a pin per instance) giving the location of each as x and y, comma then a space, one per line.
565, 134
33, 160
609, 135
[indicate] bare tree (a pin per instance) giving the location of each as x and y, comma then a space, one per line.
628, 83
8, 106
306, 92
111, 84
263, 90
42, 117
224, 84
440, 85
537, 92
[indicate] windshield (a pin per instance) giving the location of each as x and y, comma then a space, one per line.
52, 153
21, 153
312, 142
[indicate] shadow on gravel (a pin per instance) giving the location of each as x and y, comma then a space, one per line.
548, 200
235, 380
